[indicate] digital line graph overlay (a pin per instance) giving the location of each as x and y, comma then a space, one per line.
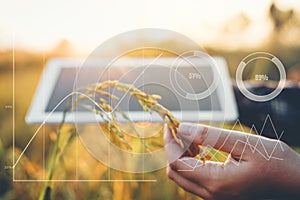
67, 180
253, 147
15, 161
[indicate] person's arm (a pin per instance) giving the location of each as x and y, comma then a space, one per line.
257, 167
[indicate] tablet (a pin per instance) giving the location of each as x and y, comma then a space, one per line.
193, 89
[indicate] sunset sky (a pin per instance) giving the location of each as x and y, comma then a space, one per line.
40, 25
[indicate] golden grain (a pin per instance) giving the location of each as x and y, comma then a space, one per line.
147, 101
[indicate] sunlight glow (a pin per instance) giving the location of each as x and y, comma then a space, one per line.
38, 24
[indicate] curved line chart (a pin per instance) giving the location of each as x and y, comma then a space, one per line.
63, 100
67, 180
47, 117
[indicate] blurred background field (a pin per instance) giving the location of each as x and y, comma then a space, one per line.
272, 27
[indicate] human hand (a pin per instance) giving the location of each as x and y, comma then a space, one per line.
257, 167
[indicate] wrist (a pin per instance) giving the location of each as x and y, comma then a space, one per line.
290, 175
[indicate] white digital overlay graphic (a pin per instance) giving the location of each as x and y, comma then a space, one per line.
253, 57
253, 146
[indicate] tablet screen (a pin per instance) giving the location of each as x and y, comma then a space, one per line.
152, 80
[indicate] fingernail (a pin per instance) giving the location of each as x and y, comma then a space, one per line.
186, 129
193, 131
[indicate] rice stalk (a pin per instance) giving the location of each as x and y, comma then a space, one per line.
149, 103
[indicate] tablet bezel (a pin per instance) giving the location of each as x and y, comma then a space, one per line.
37, 111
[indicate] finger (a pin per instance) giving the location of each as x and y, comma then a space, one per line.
211, 175
186, 184
173, 150
167, 134
196, 170
233, 142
